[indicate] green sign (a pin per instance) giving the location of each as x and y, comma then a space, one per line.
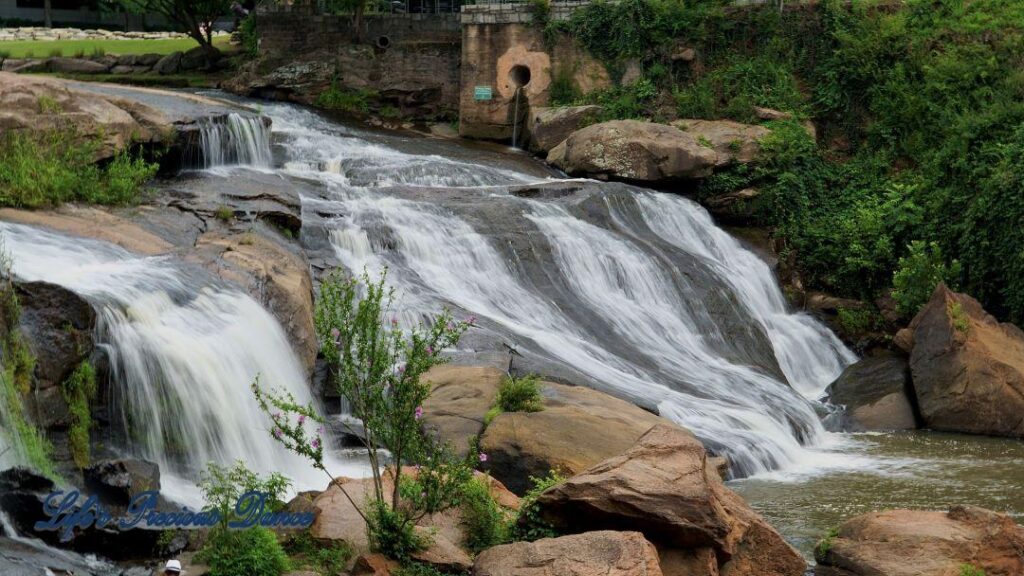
482, 93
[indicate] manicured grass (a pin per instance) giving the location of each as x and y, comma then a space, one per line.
71, 48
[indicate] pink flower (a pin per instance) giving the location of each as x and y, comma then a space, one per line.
302, 419
277, 433
335, 333
472, 320
401, 369
450, 326
430, 349
394, 321
320, 430
315, 443
419, 412
483, 457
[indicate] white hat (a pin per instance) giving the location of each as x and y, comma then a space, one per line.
173, 566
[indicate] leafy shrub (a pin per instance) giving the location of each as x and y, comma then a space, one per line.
918, 274
971, 570
960, 320
392, 534
520, 395
222, 486
732, 90
224, 214
486, 523
327, 559
249, 36
825, 544
529, 525
857, 321
563, 90
349, 101
252, 552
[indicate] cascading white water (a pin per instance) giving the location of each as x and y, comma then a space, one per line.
614, 303
235, 139
183, 352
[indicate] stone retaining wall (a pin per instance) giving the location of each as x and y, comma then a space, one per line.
296, 32
40, 33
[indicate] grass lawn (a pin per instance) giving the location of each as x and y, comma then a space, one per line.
45, 48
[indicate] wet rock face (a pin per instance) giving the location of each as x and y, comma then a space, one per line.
116, 482
914, 542
967, 368
551, 126
58, 326
603, 553
664, 488
876, 394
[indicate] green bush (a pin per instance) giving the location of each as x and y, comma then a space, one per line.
249, 36
250, 552
349, 101
520, 395
917, 275
971, 570
486, 522
825, 544
529, 525
326, 559
49, 168
391, 533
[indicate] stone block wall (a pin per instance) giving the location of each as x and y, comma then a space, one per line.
297, 32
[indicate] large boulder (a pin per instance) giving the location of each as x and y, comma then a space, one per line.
967, 368
58, 326
35, 103
875, 394
116, 482
664, 487
460, 397
337, 519
274, 273
603, 553
732, 141
169, 64
550, 126
916, 542
634, 150
577, 428
77, 66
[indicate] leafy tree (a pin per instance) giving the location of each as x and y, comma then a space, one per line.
194, 17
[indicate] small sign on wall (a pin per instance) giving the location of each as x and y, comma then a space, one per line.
482, 93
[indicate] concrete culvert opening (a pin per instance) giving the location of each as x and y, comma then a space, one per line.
519, 75
383, 42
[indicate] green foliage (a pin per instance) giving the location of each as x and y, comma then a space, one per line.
624, 102
825, 544
249, 36
855, 321
918, 273
349, 101
959, 318
487, 524
529, 525
520, 394
417, 569
736, 87
222, 486
28, 442
194, 17
252, 552
326, 559
376, 366
563, 90
391, 533
79, 391
971, 570
224, 214
56, 166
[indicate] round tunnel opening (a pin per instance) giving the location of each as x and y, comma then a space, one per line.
519, 75
383, 42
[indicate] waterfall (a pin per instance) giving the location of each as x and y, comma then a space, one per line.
234, 139
183, 351
638, 293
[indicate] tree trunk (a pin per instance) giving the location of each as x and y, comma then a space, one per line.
358, 22
47, 17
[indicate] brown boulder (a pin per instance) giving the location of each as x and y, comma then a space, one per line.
967, 368
732, 141
916, 542
664, 488
460, 397
374, 565
603, 553
578, 428
33, 103
550, 126
634, 150
875, 393
275, 274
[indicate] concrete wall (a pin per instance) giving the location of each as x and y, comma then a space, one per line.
298, 31
496, 40
9, 10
